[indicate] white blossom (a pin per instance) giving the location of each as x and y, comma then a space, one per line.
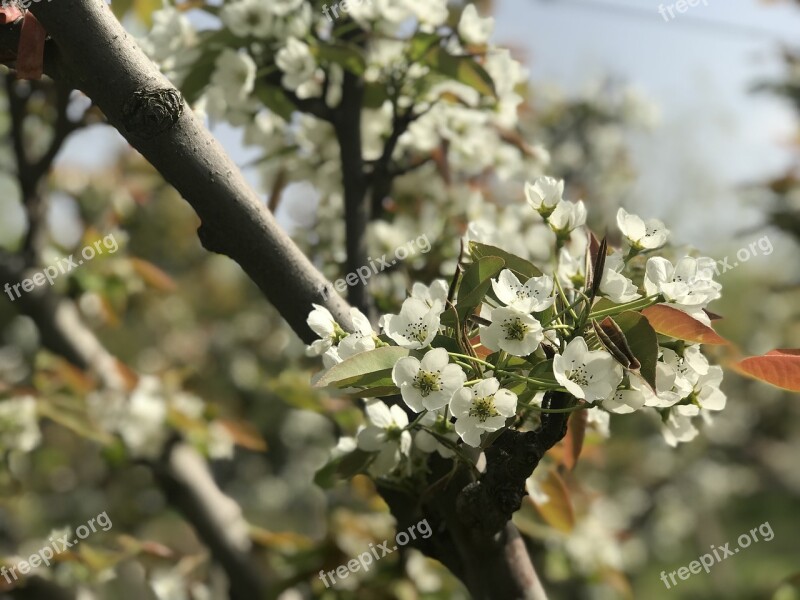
689, 285
589, 375
567, 216
437, 421
234, 76
640, 234
535, 295
481, 408
361, 340
544, 194
19, 426
385, 435
615, 286
430, 383
248, 18
678, 427
511, 330
434, 294
474, 29
415, 326
298, 66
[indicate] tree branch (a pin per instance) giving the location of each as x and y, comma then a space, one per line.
94, 54
181, 472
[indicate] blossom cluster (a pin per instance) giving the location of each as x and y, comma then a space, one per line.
480, 353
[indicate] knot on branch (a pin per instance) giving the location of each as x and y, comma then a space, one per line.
486, 505
148, 113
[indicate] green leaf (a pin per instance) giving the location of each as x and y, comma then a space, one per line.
463, 69
544, 371
446, 342
121, 7
347, 57
144, 10
375, 94
421, 44
606, 308
476, 282
213, 43
199, 75
344, 467
643, 342
365, 366
275, 99
522, 268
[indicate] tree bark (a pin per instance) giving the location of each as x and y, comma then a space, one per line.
94, 54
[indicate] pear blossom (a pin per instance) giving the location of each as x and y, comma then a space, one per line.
437, 421
535, 295
677, 426
571, 270
235, 76
386, 434
567, 216
436, 292
544, 194
589, 375
248, 18
615, 286
481, 408
707, 392
281, 8
361, 340
687, 368
516, 332
599, 420
429, 383
640, 234
415, 326
298, 66
688, 285
625, 401
19, 427
321, 322
474, 29
665, 393
143, 428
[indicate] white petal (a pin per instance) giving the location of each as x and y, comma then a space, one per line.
505, 402
405, 370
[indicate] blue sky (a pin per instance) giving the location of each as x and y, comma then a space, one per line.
697, 68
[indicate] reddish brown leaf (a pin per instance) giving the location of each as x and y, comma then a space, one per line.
780, 368
153, 276
557, 511
676, 323
30, 54
614, 340
245, 435
573, 442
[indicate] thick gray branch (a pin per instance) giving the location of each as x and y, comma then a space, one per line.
97, 56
